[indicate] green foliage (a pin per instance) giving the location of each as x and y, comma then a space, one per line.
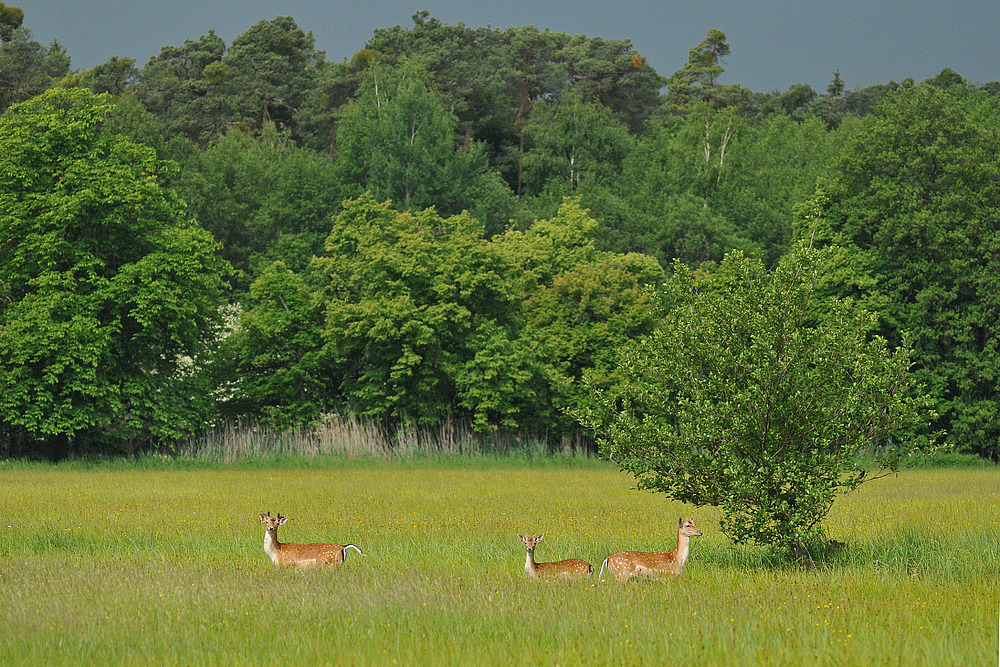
198, 89
272, 364
408, 297
268, 73
750, 399
411, 316
493, 79
712, 182
27, 68
107, 295
698, 81
504, 125
573, 143
277, 203
578, 305
114, 76
915, 203
182, 88
11, 19
397, 141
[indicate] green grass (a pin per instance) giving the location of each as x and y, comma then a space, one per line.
119, 564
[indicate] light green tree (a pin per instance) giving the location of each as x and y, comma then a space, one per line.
578, 305
750, 398
409, 297
108, 296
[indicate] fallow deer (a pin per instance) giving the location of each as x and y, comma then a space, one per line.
300, 555
624, 565
573, 568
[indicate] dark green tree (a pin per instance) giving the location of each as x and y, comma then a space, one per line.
398, 142
11, 19
108, 296
491, 79
336, 84
914, 201
270, 70
27, 68
836, 86
183, 88
698, 80
264, 198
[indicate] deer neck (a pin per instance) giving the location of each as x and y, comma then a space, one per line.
529, 563
271, 545
682, 550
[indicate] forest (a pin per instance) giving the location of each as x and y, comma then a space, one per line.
456, 223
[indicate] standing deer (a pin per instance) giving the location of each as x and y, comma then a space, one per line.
573, 568
304, 556
624, 565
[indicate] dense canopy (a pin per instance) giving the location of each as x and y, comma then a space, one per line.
455, 223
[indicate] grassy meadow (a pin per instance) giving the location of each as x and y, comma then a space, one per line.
126, 564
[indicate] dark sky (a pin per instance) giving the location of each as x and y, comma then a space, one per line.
775, 43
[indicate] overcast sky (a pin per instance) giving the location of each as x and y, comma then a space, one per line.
775, 43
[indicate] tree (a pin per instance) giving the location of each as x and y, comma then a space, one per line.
272, 365
573, 142
28, 68
577, 306
409, 298
277, 205
270, 70
698, 79
114, 76
183, 88
836, 87
914, 201
11, 19
750, 398
108, 296
491, 79
669, 184
398, 142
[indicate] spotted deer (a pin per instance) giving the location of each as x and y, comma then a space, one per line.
624, 565
303, 556
573, 568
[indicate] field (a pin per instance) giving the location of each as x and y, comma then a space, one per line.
127, 565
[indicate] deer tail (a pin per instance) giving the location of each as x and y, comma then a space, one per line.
351, 546
600, 577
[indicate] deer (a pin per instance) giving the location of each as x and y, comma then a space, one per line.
572, 568
304, 556
623, 565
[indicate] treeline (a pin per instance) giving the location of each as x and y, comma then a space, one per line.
455, 222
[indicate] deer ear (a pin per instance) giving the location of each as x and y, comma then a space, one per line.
520, 537
539, 538
681, 522
263, 517
282, 520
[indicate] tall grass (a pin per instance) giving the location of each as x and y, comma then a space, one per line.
351, 437
118, 565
